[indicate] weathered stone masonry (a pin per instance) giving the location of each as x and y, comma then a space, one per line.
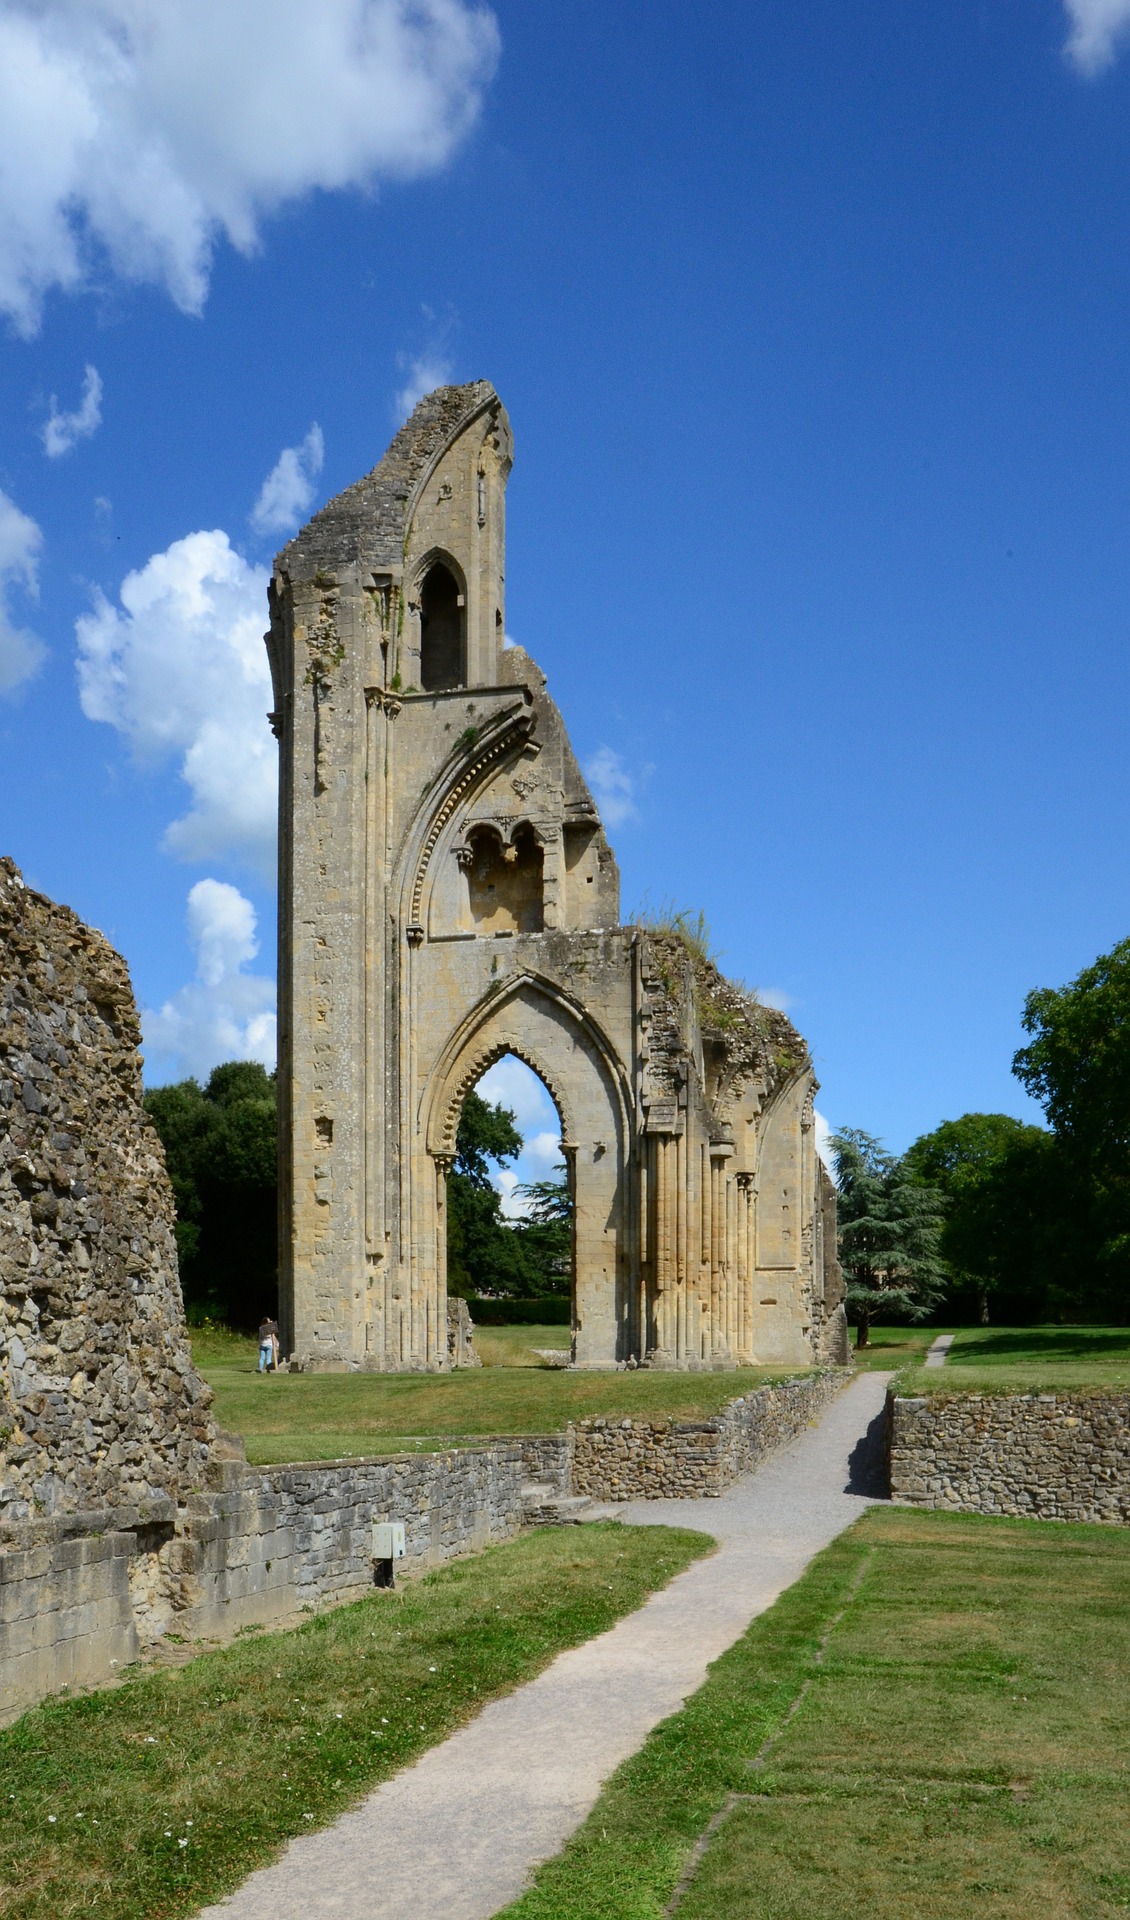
447, 895
99, 1400
85, 1593
1045, 1456
667, 1459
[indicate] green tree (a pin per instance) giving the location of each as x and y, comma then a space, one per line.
220, 1148
997, 1177
1077, 1065
486, 1253
547, 1230
889, 1228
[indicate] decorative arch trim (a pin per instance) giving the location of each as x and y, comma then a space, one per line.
462, 1062
486, 757
436, 556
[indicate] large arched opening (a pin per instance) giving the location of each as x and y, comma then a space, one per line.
509, 1210
546, 1028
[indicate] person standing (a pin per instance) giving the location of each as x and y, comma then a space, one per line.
268, 1344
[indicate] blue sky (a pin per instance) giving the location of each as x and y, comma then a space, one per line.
814, 328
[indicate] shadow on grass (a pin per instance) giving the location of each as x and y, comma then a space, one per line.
1043, 1343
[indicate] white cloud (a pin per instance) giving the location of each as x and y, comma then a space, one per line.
140, 131
511, 1083
823, 1135
21, 652
1099, 29
62, 430
775, 997
181, 670
613, 787
288, 490
225, 1014
425, 371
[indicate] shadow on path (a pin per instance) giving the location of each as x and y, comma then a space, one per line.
867, 1462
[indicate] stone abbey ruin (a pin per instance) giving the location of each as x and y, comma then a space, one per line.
447, 897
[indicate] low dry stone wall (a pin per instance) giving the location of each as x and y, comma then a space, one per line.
85, 1594
1046, 1456
663, 1459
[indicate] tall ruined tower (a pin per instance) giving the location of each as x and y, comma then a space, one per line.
447, 896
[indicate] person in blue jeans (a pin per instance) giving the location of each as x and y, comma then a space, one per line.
268, 1344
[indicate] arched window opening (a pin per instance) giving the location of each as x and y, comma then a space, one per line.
510, 1215
504, 881
441, 631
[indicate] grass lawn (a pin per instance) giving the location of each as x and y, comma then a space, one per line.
332, 1416
932, 1722
890, 1348
518, 1346
1028, 1360
146, 1802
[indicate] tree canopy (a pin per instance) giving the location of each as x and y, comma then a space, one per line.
486, 1253
997, 1176
889, 1229
220, 1148
1077, 1065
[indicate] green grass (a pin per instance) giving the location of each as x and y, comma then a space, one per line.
240, 1749
892, 1347
518, 1346
331, 1416
931, 1722
1029, 1360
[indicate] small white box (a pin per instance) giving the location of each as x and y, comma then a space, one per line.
388, 1540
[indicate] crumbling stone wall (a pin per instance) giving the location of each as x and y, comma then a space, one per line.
1042, 1456
99, 1402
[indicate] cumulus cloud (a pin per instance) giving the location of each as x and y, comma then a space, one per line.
823, 1135
1099, 29
138, 132
613, 787
288, 490
511, 1083
62, 430
225, 1013
775, 997
21, 652
179, 668
424, 372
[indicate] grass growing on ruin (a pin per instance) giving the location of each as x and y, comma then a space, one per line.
931, 1722
1029, 1360
148, 1801
342, 1415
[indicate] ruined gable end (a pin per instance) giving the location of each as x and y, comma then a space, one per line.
448, 896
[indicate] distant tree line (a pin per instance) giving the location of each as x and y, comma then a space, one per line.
990, 1217
220, 1147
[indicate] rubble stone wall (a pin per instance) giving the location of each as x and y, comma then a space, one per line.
663, 1459
85, 1594
99, 1401
1045, 1456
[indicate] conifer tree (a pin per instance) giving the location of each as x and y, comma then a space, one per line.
889, 1231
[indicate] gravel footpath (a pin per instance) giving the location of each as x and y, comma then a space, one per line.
457, 1835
